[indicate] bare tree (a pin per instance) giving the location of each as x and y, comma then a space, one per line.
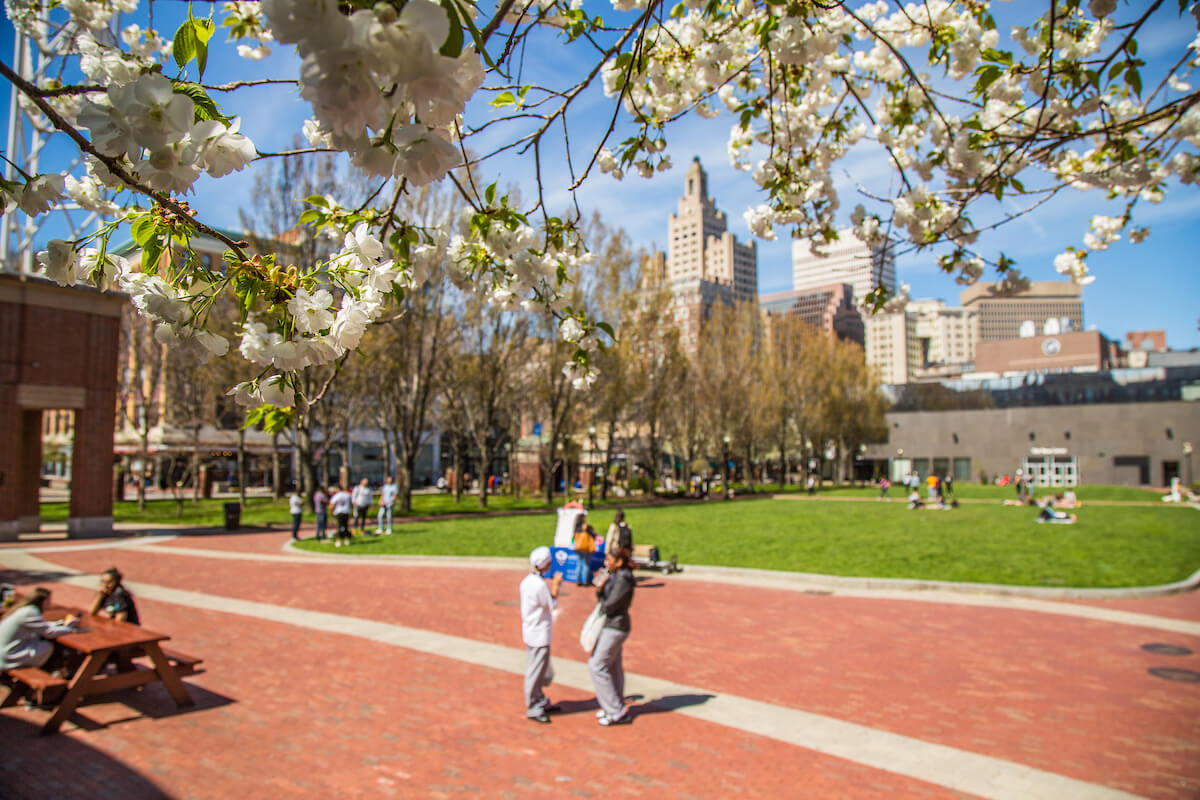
139, 388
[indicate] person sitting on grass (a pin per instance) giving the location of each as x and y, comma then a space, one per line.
1048, 514
114, 599
914, 500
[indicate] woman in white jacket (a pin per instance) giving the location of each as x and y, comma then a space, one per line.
25, 636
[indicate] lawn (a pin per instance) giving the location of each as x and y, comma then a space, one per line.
1111, 546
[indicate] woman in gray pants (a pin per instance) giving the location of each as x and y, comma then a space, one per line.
615, 593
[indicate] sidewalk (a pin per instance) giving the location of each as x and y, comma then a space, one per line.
400, 679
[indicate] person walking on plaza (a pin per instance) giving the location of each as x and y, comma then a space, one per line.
619, 534
361, 497
114, 599
320, 505
538, 600
296, 509
615, 594
339, 506
387, 499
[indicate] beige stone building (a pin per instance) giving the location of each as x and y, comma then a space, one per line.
926, 339
699, 248
1045, 308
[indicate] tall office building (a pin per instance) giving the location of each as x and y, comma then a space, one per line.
827, 308
845, 261
700, 248
927, 339
1044, 309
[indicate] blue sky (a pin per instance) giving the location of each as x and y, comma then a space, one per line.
1152, 285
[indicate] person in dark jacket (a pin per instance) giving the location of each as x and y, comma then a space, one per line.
114, 599
615, 594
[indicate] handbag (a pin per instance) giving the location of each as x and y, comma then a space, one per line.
592, 626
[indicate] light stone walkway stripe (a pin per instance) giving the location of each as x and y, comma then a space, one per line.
765, 579
67, 548
955, 769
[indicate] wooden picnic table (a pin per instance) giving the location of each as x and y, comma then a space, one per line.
97, 640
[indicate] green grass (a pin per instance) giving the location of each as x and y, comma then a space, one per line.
975, 491
1110, 547
260, 510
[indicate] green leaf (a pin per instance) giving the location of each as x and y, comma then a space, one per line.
1134, 79
604, 326
988, 74
184, 45
503, 99
1132, 47
489, 194
151, 252
317, 200
201, 57
204, 29
142, 229
1016, 184
204, 107
453, 46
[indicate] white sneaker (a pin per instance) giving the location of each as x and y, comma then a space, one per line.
389, 531
338, 543
600, 714
378, 531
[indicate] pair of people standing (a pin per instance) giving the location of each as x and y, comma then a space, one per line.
614, 593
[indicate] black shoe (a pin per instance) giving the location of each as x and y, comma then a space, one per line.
539, 718
553, 708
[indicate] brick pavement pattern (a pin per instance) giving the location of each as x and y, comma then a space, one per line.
302, 713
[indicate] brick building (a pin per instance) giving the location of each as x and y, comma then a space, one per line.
827, 308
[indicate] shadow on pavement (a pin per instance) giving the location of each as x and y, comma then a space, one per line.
24, 577
39, 767
671, 702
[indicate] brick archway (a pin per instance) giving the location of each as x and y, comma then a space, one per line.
58, 350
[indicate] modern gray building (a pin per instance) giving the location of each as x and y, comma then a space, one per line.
1122, 427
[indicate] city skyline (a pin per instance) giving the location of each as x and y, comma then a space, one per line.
1152, 285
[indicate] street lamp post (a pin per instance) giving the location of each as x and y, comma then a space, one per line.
1187, 461
725, 452
592, 463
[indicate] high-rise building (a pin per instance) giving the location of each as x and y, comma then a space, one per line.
700, 248
828, 308
926, 339
1044, 309
845, 261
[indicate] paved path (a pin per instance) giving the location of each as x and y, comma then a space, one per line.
399, 678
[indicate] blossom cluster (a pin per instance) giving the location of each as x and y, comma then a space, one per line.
806, 89
379, 86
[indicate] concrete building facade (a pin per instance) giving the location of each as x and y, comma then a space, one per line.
1131, 444
700, 248
1045, 308
845, 261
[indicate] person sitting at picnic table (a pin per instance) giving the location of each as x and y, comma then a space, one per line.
26, 638
114, 599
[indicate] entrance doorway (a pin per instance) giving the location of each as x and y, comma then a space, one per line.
1052, 470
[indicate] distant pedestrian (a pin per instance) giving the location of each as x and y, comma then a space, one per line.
584, 540
619, 534
537, 628
812, 484
320, 506
387, 499
884, 487
948, 487
615, 593
339, 506
361, 497
914, 500
296, 509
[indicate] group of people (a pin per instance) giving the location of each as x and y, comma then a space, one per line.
940, 490
27, 638
349, 509
614, 586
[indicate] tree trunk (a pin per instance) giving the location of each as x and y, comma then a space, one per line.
485, 454
144, 439
195, 466
241, 466
458, 470
276, 469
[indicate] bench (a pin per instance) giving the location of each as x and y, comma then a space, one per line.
182, 662
39, 685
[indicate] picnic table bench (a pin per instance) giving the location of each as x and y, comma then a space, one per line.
136, 652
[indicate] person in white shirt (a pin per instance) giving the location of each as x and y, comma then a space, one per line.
296, 509
339, 505
387, 499
537, 625
361, 497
